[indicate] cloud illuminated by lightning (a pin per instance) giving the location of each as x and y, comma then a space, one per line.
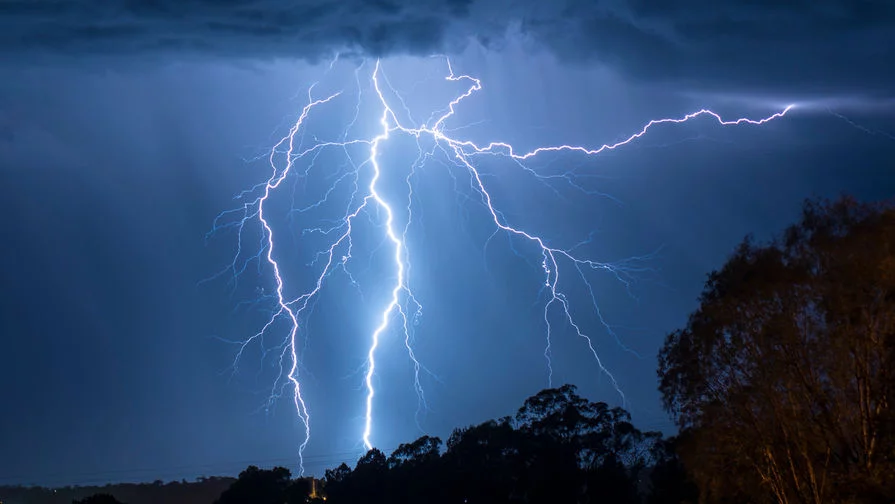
401, 304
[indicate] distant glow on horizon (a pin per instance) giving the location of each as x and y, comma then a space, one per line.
402, 308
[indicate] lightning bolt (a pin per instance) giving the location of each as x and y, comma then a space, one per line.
555, 262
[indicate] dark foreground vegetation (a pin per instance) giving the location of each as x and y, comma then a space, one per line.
204, 490
781, 383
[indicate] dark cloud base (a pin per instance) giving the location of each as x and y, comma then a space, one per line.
810, 46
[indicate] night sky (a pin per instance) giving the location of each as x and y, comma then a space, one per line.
125, 129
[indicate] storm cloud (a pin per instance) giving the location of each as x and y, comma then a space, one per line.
819, 45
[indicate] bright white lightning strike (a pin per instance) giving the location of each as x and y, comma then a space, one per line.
399, 266
402, 302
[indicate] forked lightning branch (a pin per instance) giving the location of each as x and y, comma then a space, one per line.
400, 306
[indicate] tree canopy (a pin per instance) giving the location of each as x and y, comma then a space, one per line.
266, 486
559, 448
782, 380
100, 498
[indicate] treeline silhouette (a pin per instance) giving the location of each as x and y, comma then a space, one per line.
782, 385
559, 447
203, 490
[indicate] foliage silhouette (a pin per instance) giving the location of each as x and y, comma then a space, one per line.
559, 448
783, 380
203, 490
266, 486
98, 499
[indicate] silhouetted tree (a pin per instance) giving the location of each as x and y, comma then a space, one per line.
98, 499
415, 470
175, 492
577, 450
298, 491
611, 481
368, 482
258, 486
669, 482
783, 379
423, 450
483, 463
554, 426
369, 477
337, 485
